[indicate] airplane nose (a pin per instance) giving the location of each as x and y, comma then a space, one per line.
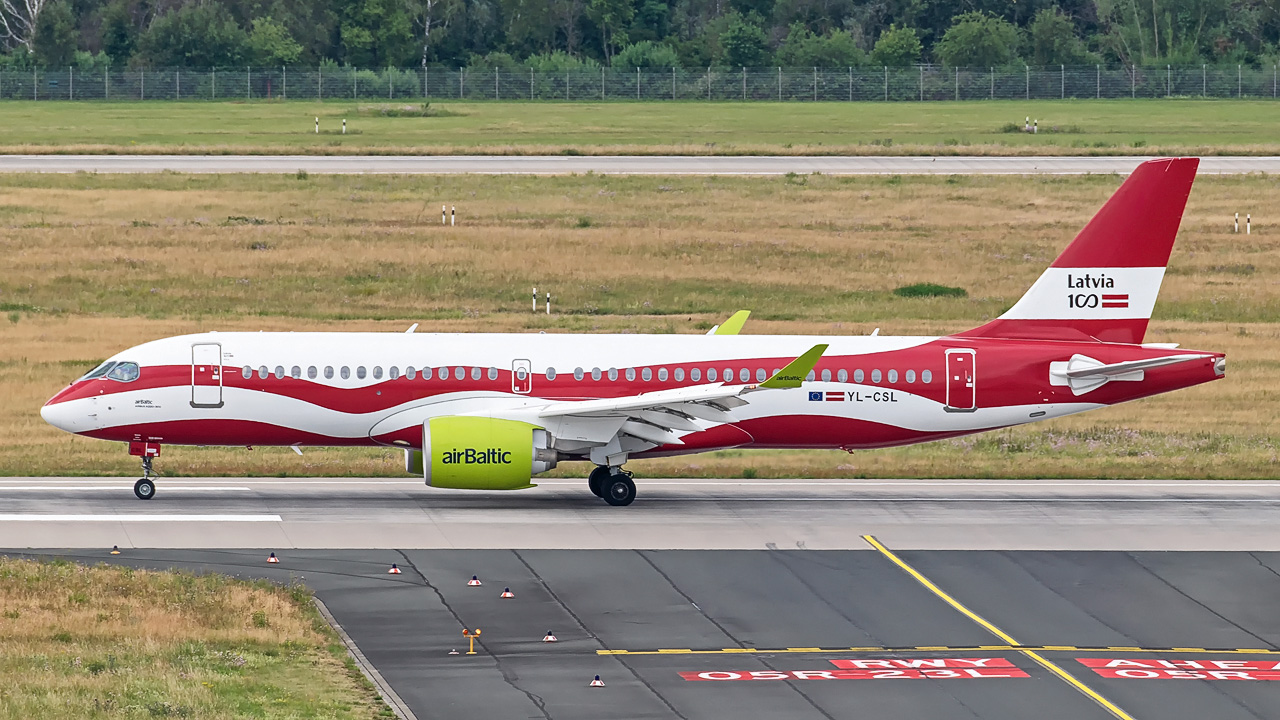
60, 416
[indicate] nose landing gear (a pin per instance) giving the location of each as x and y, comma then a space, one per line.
145, 489
613, 484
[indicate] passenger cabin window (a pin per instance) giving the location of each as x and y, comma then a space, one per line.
842, 376
246, 371
760, 376
262, 372
409, 372
711, 374
662, 374
360, 372
345, 373
377, 372
311, 372
859, 376
679, 373
551, 374
695, 375
577, 373
328, 372
459, 373
613, 374
875, 376
826, 376
493, 373
810, 376
595, 373
393, 373
646, 374
911, 376
124, 372
631, 374
926, 377
475, 373
295, 372
279, 373
893, 376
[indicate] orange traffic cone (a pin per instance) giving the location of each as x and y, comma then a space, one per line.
474, 581
272, 558
394, 570
115, 549
507, 593
549, 637
597, 682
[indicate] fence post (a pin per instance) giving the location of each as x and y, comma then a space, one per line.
1063, 91
1098, 71
744, 83
248, 83
886, 83
673, 82
637, 83
993, 82
1273, 81
106, 84
495, 83
708, 82
35, 84
320, 83
815, 84
142, 85
779, 83
530, 83
957, 83
921, 83
177, 84
1133, 81
355, 82
1239, 85
284, 82
71, 83
850, 83
1168, 80
1204, 80
566, 84
1027, 69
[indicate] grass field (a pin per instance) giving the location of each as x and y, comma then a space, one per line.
95, 264
105, 642
1076, 127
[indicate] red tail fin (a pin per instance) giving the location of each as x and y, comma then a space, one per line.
1104, 285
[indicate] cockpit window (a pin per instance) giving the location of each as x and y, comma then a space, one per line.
124, 372
99, 371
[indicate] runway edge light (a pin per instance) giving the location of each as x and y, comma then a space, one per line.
272, 558
474, 581
549, 637
597, 682
394, 570
115, 549
506, 593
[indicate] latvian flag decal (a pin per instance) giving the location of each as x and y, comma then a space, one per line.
835, 396
1115, 301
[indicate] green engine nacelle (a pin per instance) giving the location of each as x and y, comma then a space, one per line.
480, 453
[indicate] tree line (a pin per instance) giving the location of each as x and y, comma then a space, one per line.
555, 35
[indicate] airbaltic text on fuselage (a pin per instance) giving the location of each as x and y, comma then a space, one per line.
472, 456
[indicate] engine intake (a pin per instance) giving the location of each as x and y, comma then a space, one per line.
481, 453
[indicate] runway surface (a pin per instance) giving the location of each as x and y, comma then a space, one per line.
668, 514
796, 634
611, 165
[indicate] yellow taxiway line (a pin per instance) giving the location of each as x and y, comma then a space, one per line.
945, 648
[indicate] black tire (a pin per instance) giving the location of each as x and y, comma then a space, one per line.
144, 489
596, 480
619, 491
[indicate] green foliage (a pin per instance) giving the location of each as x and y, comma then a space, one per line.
743, 43
803, 48
55, 35
646, 54
377, 33
494, 61
611, 17
1053, 40
897, 47
559, 61
928, 289
193, 36
119, 32
978, 40
270, 44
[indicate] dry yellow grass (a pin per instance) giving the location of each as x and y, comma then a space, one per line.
98, 263
78, 641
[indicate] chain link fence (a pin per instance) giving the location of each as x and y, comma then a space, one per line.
778, 84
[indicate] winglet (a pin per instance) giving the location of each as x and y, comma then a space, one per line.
795, 372
733, 325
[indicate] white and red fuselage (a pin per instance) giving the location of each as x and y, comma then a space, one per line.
1074, 342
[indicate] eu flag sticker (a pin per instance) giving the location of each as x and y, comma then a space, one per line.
815, 397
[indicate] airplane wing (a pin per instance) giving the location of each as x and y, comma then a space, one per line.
658, 416
733, 325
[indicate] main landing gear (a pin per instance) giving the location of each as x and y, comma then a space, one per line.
613, 484
145, 488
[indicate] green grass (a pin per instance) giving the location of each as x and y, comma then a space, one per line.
1073, 127
106, 642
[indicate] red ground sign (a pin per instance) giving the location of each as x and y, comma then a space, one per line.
879, 669
1182, 669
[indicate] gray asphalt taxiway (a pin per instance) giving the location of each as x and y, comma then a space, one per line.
614, 164
927, 603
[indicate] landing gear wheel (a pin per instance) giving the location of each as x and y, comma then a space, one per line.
597, 479
144, 489
619, 490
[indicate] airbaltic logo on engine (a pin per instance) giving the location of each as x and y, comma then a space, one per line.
1093, 299
472, 456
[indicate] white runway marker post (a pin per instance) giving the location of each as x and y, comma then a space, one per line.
317, 125
535, 299
344, 126
1248, 224
444, 214
453, 215
548, 303
1237, 223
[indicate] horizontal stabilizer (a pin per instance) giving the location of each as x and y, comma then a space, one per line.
1083, 374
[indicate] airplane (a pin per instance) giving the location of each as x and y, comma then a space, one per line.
491, 411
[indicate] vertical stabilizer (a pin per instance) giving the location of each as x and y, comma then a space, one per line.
1104, 285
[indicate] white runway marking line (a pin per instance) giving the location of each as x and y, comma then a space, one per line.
114, 517
123, 488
